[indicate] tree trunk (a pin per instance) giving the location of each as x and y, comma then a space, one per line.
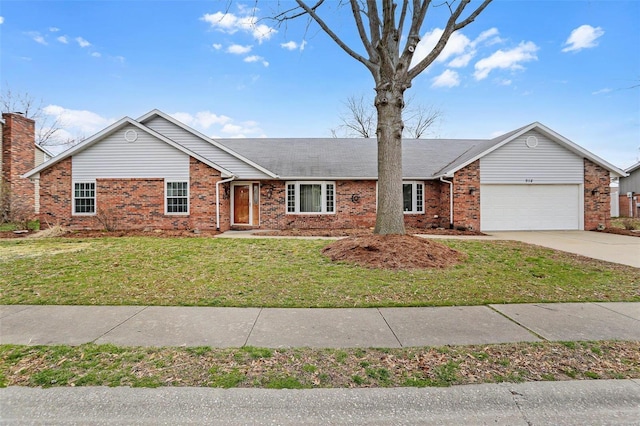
390, 216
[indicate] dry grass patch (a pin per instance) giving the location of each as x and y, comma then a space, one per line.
108, 365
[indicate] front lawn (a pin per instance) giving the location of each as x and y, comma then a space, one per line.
291, 273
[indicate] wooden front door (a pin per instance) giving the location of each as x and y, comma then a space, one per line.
241, 203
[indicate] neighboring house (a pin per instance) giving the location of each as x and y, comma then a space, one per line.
18, 154
155, 172
630, 192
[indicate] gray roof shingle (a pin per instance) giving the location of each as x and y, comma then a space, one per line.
353, 158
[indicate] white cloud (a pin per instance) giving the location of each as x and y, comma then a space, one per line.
583, 37
506, 59
455, 46
462, 60
37, 37
504, 82
230, 24
54, 29
96, 54
77, 122
448, 78
217, 46
1, 20
243, 130
602, 91
459, 48
63, 39
292, 45
203, 119
256, 58
237, 49
82, 42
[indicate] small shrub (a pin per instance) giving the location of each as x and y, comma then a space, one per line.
629, 224
108, 218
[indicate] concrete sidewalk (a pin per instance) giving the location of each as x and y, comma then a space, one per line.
335, 328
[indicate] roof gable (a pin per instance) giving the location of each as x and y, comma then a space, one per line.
502, 140
87, 143
203, 144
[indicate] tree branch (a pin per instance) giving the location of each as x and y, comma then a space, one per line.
335, 37
450, 28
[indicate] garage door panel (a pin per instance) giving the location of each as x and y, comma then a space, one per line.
530, 207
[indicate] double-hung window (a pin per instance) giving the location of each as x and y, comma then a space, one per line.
311, 197
177, 197
413, 197
84, 198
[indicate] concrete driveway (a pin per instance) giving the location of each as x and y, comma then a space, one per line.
597, 245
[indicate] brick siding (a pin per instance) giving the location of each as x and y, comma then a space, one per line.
132, 203
624, 205
597, 205
18, 157
466, 197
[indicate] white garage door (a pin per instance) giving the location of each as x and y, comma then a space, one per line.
530, 207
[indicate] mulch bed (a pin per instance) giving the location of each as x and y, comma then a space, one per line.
11, 234
620, 231
393, 252
359, 232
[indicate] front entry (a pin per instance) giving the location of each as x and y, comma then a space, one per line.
246, 203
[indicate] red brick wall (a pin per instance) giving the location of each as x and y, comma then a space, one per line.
18, 157
203, 197
597, 206
351, 212
133, 203
56, 196
624, 205
466, 197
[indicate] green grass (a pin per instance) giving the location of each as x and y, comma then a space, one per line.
298, 368
291, 273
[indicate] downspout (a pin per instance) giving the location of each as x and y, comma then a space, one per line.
218, 200
450, 201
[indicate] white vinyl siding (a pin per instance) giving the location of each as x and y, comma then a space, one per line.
205, 149
311, 197
546, 163
84, 198
176, 197
146, 157
413, 197
531, 207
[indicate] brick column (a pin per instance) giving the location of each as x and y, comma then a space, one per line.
18, 157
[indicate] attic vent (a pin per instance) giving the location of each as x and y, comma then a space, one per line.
532, 142
130, 135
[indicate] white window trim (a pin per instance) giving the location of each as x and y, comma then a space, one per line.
73, 198
166, 197
323, 184
414, 196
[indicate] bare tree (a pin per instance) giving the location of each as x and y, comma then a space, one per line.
359, 119
47, 128
382, 32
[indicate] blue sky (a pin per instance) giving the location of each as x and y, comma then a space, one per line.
567, 64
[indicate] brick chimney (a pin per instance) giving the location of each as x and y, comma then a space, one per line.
18, 155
